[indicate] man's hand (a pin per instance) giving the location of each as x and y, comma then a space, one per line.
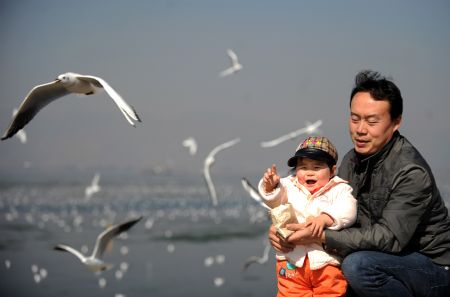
278, 243
271, 179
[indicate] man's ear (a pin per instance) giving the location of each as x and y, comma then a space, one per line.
397, 123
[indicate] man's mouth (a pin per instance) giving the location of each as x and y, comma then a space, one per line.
361, 142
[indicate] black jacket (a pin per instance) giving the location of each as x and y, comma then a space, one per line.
400, 208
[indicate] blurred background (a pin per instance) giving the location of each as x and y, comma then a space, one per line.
164, 57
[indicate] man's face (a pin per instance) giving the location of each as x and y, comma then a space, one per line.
370, 124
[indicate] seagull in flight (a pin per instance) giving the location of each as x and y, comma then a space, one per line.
93, 187
235, 65
94, 261
256, 259
66, 83
309, 129
253, 192
209, 161
191, 144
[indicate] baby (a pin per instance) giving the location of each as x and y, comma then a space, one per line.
315, 196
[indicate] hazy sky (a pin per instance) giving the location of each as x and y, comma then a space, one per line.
300, 59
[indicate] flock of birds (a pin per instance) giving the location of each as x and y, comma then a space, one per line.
74, 83
79, 84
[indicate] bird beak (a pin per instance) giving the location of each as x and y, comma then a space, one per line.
57, 80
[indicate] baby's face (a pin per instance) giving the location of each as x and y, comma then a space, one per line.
312, 174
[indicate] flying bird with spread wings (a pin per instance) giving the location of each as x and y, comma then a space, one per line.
235, 65
67, 83
94, 262
93, 188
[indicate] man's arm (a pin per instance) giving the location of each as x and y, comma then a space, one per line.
407, 204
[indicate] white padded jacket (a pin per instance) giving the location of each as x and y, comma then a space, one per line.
334, 199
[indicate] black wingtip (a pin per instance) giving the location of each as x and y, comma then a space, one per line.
130, 223
137, 116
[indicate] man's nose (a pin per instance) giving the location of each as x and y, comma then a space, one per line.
361, 128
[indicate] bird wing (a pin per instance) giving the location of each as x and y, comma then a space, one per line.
209, 160
227, 72
250, 261
127, 110
310, 128
212, 190
36, 99
104, 237
233, 57
96, 179
223, 146
253, 192
265, 256
256, 259
66, 248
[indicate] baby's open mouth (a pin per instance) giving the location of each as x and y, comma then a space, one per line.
310, 182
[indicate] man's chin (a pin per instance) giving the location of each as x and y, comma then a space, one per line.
363, 153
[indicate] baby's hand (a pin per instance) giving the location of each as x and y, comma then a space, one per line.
317, 224
271, 179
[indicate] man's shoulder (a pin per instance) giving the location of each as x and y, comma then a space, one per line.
404, 152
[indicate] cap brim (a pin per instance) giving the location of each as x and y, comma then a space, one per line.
311, 153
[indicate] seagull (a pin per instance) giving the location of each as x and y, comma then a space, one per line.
235, 66
256, 259
191, 144
66, 83
93, 187
209, 160
253, 192
94, 261
309, 129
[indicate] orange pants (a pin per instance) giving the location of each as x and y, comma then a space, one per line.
302, 281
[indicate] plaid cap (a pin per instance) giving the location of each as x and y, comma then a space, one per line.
315, 147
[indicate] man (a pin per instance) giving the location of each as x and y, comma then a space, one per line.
400, 243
